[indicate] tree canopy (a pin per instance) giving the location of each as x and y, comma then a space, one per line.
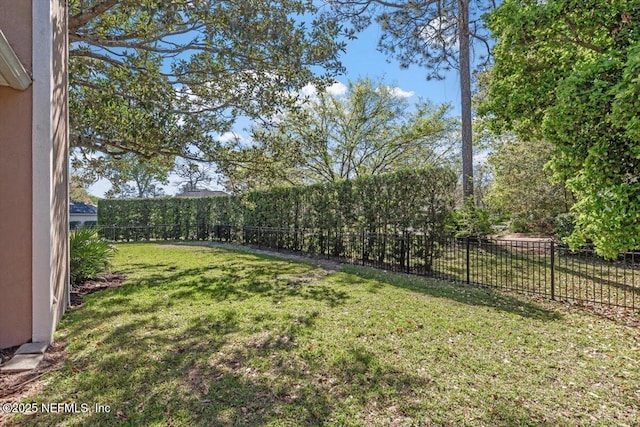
369, 130
166, 76
434, 34
134, 177
567, 71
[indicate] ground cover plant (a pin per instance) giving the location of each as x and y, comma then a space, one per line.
210, 336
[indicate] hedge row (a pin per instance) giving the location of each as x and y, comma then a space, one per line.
409, 199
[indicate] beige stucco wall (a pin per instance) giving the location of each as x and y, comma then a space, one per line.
60, 199
15, 184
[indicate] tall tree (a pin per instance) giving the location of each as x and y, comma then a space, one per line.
135, 177
431, 33
372, 129
165, 76
193, 176
567, 71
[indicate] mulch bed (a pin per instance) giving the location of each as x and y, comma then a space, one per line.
108, 281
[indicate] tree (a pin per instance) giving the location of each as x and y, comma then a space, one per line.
163, 77
194, 176
134, 177
522, 185
567, 71
431, 33
373, 129
78, 191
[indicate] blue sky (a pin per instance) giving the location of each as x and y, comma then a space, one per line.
363, 60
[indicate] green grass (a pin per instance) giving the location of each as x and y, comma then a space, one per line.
203, 336
577, 278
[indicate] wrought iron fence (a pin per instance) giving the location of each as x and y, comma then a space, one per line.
541, 267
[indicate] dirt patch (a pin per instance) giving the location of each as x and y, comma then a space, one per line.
15, 387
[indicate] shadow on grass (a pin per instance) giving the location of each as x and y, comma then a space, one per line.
217, 367
474, 295
466, 294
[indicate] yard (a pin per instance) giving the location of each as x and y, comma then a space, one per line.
210, 336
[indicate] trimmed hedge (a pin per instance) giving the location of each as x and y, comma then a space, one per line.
409, 199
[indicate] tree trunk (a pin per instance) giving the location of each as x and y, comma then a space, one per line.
465, 100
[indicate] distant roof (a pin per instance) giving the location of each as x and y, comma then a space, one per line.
201, 193
82, 208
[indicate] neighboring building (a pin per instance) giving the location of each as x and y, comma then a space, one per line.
34, 153
82, 215
201, 193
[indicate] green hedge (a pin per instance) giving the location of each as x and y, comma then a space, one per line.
409, 199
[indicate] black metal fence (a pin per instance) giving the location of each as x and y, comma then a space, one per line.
538, 267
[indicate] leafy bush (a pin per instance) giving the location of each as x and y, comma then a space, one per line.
564, 225
532, 224
417, 199
90, 255
471, 221
519, 224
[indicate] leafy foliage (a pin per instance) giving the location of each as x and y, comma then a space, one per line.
90, 255
407, 199
522, 185
434, 34
471, 221
565, 224
78, 191
567, 71
425, 33
132, 176
371, 130
163, 77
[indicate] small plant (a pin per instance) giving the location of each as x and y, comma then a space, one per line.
90, 255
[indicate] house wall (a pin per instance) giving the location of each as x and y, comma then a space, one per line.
34, 248
60, 195
49, 197
15, 184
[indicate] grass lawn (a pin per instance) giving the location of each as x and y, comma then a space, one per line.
204, 336
577, 278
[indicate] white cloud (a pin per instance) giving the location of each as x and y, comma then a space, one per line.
396, 91
441, 32
309, 90
337, 89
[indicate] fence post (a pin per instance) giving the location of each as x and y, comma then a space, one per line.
468, 267
408, 245
553, 268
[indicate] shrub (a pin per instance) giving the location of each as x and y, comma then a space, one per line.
532, 224
90, 255
416, 199
564, 225
471, 221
